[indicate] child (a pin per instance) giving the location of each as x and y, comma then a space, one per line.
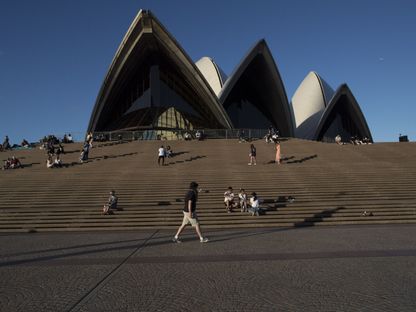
254, 203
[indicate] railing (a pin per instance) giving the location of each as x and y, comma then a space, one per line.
77, 136
246, 134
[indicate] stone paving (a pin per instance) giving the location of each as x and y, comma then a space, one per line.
350, 268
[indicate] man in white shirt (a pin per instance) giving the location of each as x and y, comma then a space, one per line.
161, 155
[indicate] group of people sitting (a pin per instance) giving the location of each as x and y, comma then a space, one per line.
54, 154
67, 139
12, 163
53, 163
102, 138
355, 140
8, 146
358, 141
272, 135
242, 202
187, 136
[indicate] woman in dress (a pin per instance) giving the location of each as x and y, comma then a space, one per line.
277, 160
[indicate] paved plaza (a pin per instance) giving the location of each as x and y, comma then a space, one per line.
350, 268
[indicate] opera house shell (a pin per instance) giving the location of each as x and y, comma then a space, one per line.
152, 84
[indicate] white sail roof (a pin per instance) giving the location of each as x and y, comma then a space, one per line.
212, 73
308, 104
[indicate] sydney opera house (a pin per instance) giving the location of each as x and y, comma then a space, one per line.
152, 84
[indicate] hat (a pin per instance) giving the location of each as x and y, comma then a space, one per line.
193, 185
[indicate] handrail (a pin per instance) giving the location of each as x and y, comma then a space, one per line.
173, 134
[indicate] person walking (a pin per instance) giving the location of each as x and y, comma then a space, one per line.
252, 155
189, 214
161, 155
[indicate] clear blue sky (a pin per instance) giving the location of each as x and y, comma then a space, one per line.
55, 54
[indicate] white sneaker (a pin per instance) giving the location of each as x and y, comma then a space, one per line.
249, 164
204, 240
176, 240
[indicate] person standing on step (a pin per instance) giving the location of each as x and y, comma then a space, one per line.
189, 214
89, 138
252, 155
254, 205
277, 145
85, 152
161, 155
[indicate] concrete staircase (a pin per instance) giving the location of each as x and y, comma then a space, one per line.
332, 185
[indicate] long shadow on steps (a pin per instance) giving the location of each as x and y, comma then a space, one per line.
73, 151
112, 156
281, 202
30, 164
112, 143
299, 161
185, 160
292, 160
318, 217
179, 153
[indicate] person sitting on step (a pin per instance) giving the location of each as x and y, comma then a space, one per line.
15, 163
187, 136
7, 163
25, 143
69, 138
60, 149
229, 199
49, 162
338, 139
242, 196
57, 162
168, 152
111, 204
198, 135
